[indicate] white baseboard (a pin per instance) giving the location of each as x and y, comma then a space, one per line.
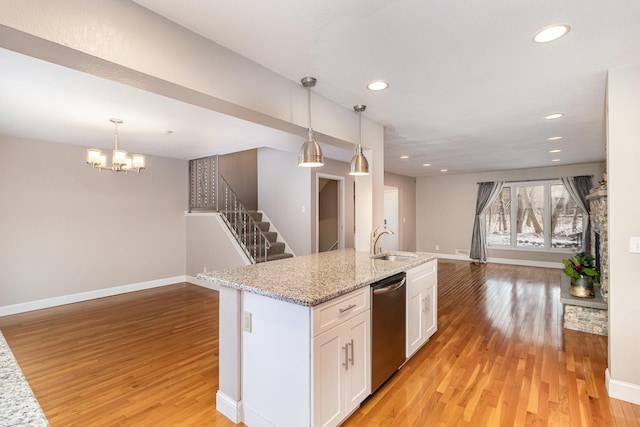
622, 390
85, 296
528, 263
204, 283
229, 407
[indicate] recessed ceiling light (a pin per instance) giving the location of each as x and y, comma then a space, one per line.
378, 85
166, 132
553, 116
404, 157
555, 151
551, 33
554, 138
426, 164
555, 160
444, 170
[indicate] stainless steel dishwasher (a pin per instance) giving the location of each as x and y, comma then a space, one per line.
388, 324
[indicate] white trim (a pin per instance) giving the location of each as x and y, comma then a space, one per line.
229, 407
525, 262
622, 390
204, 283
341, 203
85, 296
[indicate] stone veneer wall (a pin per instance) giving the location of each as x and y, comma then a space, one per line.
586, 319
598, 206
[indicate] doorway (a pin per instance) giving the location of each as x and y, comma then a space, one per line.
329, 213
391, 214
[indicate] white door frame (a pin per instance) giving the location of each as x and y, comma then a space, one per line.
340, 180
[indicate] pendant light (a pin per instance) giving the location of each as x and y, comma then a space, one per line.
359, 164
310, 154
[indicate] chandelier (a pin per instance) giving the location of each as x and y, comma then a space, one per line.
120, 161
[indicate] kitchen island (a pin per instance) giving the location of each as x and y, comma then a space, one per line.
295, 336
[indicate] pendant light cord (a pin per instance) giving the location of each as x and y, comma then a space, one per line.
115, 139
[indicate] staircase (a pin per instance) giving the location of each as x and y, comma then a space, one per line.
250, 231
276, 250
208, 190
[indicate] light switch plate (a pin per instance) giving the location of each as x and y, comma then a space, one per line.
634, 245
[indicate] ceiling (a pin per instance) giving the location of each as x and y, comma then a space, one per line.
468, 89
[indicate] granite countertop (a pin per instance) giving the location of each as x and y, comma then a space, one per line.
18, 405
313, 279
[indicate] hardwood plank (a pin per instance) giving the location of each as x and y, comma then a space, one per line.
500, 358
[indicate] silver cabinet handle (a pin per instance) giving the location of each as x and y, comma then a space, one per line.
351, 351
346, 357
349, 307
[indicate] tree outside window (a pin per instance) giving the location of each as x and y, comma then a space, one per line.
540, 215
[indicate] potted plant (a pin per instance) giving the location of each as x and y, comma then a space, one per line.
583, 273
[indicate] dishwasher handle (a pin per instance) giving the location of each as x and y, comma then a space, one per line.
390, 288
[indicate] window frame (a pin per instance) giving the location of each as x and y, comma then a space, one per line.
546, 223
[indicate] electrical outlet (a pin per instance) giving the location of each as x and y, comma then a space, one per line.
246, 321
634, 245
437, 247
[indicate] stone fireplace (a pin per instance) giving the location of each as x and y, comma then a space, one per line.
591, 314
599, 234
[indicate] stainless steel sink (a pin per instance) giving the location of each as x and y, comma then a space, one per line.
392, 257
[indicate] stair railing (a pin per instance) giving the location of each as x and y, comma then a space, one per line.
252, 240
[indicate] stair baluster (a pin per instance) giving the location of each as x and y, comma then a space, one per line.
243, 226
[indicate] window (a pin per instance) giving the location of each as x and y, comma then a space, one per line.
535, 215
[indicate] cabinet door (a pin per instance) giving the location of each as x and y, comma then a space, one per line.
341, 370
430, 314
329, 358
415, 317
358, 376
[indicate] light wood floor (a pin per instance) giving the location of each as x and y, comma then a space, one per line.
499, 358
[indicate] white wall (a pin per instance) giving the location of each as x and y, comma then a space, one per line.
623, 151
67, 228
284, 194
446, 205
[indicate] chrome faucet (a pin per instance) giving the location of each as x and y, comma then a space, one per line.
375, 236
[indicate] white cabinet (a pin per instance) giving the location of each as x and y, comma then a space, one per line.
341, 370
422, 305
305, 366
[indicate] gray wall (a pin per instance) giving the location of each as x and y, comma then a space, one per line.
327, 214
284, 194
446, 205
240, 170
67, 228
406, 209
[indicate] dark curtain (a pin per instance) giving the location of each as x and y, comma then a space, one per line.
578, 188
487, 193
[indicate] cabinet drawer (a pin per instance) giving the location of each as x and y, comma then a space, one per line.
332, 313
423, 270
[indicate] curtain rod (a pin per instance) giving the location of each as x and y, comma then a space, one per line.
536, 179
